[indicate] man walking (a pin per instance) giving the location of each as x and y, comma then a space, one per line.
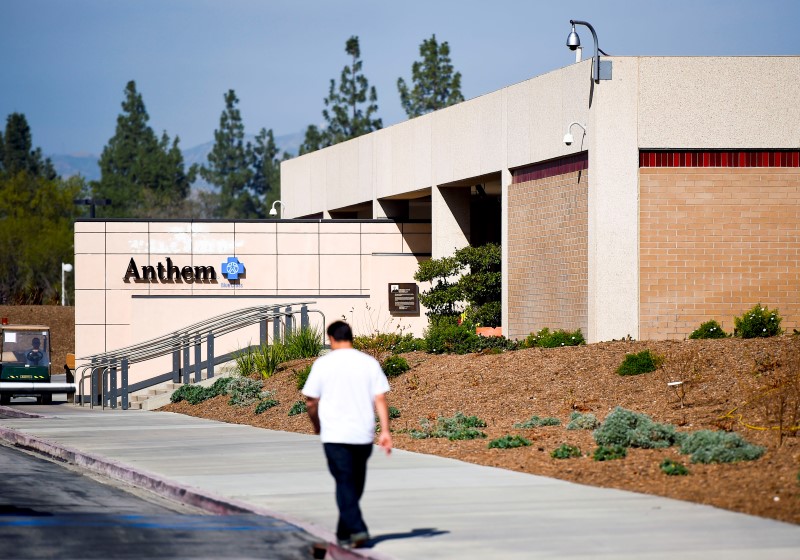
343, 391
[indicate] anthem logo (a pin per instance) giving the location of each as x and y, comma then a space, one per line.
169, 273
232, 269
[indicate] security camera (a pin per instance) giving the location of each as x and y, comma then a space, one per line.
568, 139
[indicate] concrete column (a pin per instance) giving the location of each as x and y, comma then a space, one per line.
450, 220
614, 206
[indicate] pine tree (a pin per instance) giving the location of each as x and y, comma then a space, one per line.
141, 174
435, 86
229, 166
266, 181
350, 107
17, 153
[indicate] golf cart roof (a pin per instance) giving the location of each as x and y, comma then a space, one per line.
24, 328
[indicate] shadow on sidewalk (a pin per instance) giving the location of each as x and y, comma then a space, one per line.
413, 533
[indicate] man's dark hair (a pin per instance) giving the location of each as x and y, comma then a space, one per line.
340, 331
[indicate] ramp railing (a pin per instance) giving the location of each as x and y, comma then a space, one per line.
108, 371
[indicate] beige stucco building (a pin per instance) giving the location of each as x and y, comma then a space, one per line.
679, 204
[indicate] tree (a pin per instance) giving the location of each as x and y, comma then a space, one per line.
17, 152
266, 165
471, 276
36, 217
435, 86
350, 108
141, 174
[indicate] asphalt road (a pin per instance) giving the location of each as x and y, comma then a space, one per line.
49, 510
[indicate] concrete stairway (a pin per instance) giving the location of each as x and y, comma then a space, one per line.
159, 395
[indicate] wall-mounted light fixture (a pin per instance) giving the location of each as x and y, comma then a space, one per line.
568, 139
574, 42
273, 212
65, 267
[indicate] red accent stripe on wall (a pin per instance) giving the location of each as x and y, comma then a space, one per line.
719, 158
560, 166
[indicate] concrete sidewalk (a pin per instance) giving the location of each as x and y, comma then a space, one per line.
417, 506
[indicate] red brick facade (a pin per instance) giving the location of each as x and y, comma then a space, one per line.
548, 247
716, 241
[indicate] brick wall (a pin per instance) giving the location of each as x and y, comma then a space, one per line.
548, 247
713, 243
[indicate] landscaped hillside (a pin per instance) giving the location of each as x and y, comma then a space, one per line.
745, 386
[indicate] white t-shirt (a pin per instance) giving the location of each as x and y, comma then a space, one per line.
346, 383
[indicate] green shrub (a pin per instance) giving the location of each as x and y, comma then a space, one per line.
642, 362
303, 343
578, 421
565, 451
509, 442
536, 422
673, 468
302, 376
448, 337
266, 403
298, 408
706, 446
609, 452
456, 428
395, 365
632, 429
394, 413
546, 339
219, 387
267, 359
193, 394
379, 344
709, 329
243, 391
758, 322
245, 361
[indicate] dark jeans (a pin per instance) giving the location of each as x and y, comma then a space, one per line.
348, 465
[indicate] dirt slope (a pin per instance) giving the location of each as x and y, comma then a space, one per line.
511, 387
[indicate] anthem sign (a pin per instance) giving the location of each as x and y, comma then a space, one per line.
169, 273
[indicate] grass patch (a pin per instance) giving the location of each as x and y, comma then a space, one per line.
458, 427
609, 452
673, 468
298, 408
537, 422
509, 442
565, 451
302, 376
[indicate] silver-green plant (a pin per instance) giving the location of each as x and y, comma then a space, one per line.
578, 421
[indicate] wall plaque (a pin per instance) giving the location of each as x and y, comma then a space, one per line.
404, 299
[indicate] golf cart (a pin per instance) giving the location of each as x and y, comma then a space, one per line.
25, 364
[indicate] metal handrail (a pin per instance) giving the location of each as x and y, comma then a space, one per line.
179, 340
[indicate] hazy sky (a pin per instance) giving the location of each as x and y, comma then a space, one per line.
65, 63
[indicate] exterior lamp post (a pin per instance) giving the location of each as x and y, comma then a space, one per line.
574, 42
273, 212
65, 267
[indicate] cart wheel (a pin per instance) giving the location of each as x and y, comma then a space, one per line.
47, 399
5, 398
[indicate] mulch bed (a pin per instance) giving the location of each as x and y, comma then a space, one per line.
506, 388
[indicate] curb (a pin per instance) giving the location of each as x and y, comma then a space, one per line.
16, 413
207, 501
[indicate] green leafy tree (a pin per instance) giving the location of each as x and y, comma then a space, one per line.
434, 84
36, 217
17, 152
350, 108
141, 174
470, 280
